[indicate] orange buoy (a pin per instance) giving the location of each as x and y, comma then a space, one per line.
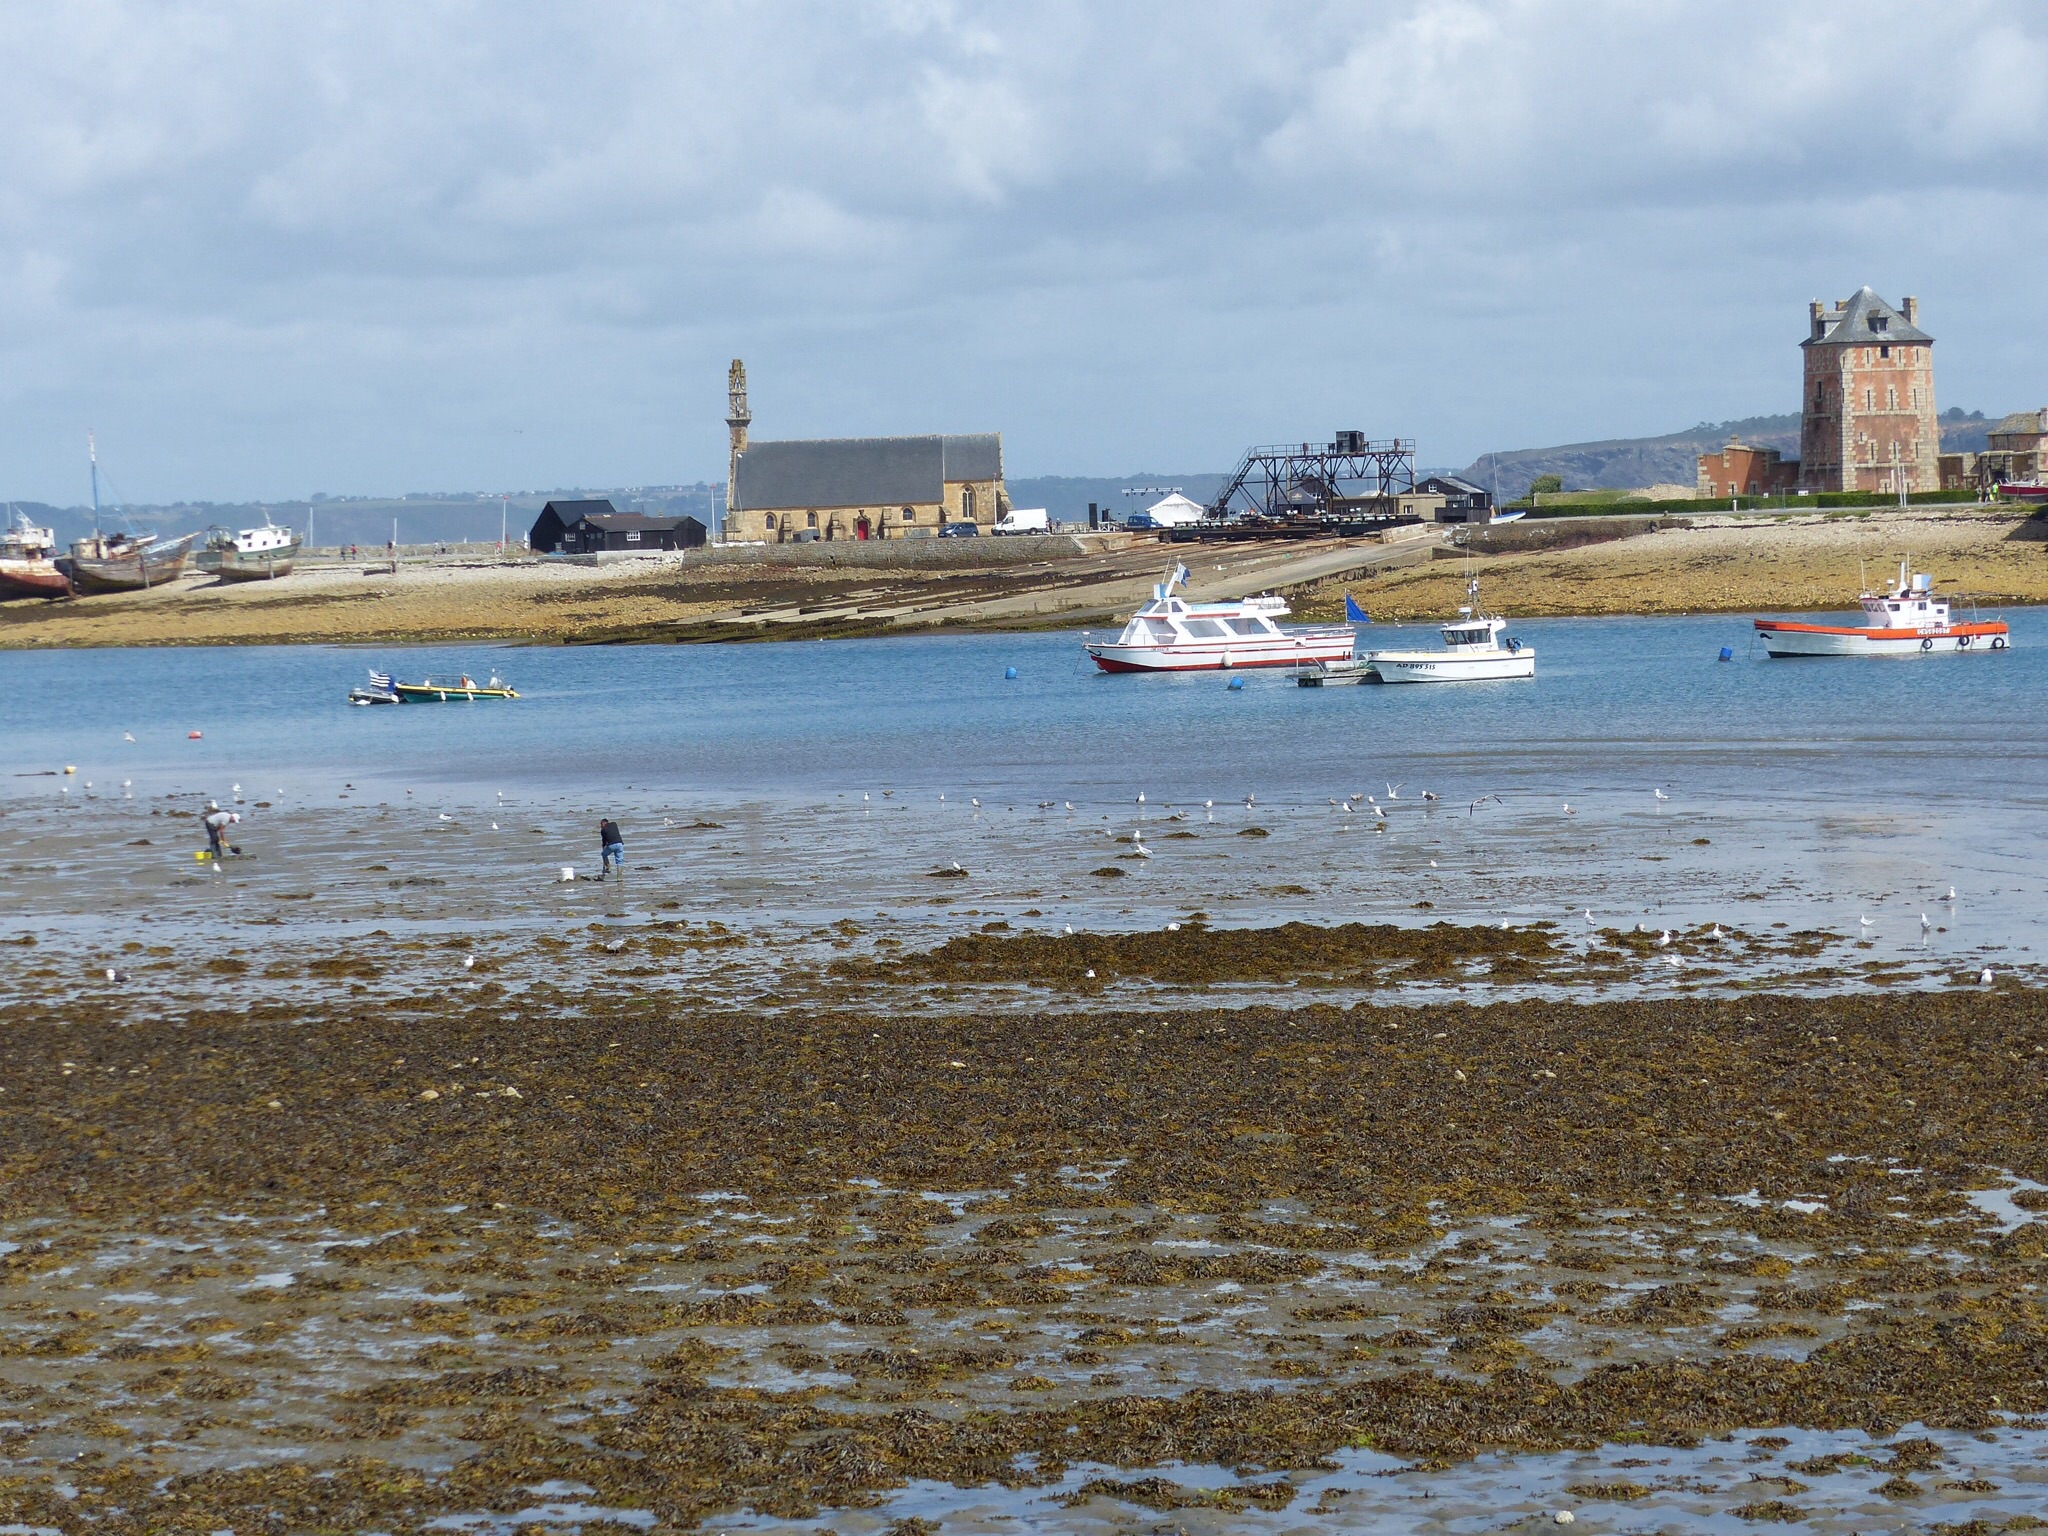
191, 735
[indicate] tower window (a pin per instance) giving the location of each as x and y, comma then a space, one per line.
909, 516
1884, 351
1879, 322
811, 518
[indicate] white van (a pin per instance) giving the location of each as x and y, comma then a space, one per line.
1025, 520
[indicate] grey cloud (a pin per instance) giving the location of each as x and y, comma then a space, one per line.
271, 249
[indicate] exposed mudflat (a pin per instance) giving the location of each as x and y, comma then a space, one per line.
561, 1258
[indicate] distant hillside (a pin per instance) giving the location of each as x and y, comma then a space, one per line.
445, 518
1624, 463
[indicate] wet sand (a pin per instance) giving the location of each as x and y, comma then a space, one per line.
1790, 563
804, 1181
1793, 563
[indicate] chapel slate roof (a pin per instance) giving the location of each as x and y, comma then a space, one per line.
861, 471
1849, 323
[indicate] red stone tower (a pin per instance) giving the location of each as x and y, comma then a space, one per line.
1867, 423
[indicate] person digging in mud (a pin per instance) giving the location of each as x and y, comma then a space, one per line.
217, 823
614, 848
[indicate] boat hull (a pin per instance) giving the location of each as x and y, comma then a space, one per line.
1449, 667
234, 565
151, 566
421, 693
33, 578
1785, 639
1298, 649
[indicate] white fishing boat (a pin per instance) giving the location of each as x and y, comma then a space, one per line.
250, 554
1476, 648
1170, 634
1910, 619
28, 565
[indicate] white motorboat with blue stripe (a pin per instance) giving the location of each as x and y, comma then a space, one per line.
1476, 649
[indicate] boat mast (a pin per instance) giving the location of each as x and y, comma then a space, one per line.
92, 456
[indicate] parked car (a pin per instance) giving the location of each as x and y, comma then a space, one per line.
958, 531
1141, 521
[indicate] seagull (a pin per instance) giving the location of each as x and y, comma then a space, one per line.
1589, 917
1068, 929
942, 799
863, 797
1660, 794
1505, 925
1951, 894
1676, 962
1715, 934
955, 865
1379, 813
971, 800
127, 735
1173, 927
1210, 805
1664, 939
1479, 802
1924, 923
1070, 805
1983, 980
1248, 799
234, 789
446, 817
613, 946
1432, 863
1429, 794
494, 826
114, 975
1091, 975
469, 962
1568, 809
1865, 921
1141, 797
1393, 791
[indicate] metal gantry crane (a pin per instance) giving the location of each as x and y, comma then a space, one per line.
1309, 488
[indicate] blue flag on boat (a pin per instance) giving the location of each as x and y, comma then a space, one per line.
1353, 613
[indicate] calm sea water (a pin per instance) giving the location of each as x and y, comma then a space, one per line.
1619, 705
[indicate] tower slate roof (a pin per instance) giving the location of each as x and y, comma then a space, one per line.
861, 471
1862, 320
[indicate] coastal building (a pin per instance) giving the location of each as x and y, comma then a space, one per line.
555, 520
2014, 450
1742, 470
1867, 417
1463, 502
798, 489
593, 527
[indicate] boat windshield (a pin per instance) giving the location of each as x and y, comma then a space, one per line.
1464, 637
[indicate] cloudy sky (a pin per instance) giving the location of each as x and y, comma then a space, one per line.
266, 250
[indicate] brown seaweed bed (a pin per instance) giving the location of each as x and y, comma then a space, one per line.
365, 1265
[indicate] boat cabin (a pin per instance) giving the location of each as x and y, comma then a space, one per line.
269, 539
1167, 620
1910, 605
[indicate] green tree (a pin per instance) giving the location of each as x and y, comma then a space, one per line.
1544, 485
